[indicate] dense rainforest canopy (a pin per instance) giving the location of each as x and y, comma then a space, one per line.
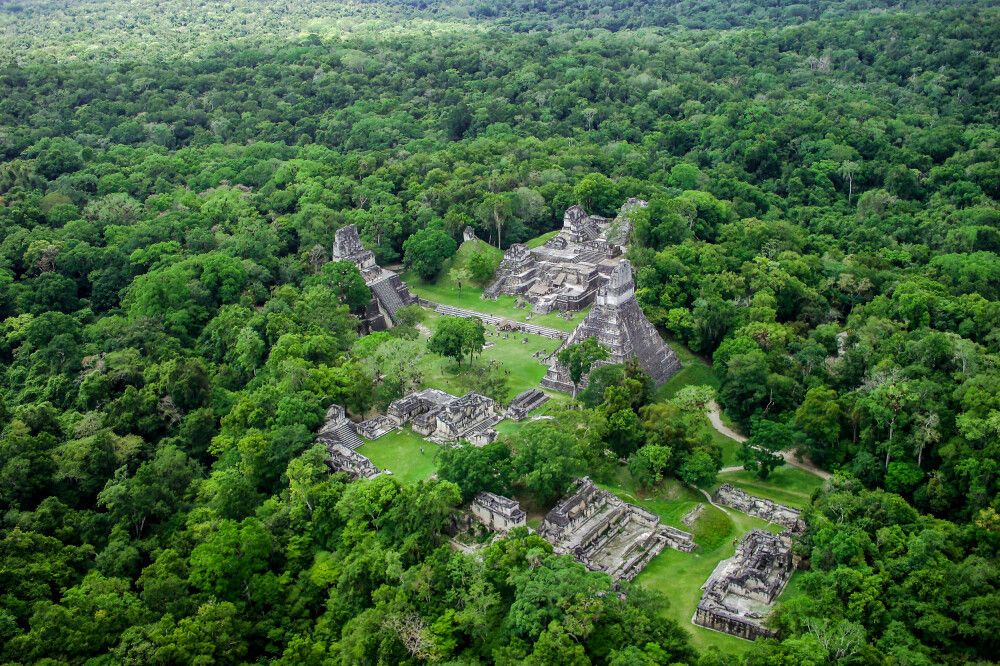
823, 225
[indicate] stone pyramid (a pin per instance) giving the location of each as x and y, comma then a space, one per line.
617, 321
389, 292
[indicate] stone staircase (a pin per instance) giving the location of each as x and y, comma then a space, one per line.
348, 437
387, 297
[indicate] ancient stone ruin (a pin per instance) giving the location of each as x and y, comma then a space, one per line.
606, 534
739, 594
618, 323
389, 293
525, 402
440, 417
759, 507
468, 234
567, 270
498, 513
337, 434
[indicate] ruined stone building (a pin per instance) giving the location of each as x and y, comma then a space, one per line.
525, 402
618, 323
389, 293
567, 270
739, 595
606, 534
440, 416
338, 435
498, 513
760, 507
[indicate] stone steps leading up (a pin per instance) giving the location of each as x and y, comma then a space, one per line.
348, 437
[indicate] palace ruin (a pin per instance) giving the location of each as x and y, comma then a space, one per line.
606, 534
567, 270
740, 593
440, 417
498, 513
619, 325
760, 507
389, 293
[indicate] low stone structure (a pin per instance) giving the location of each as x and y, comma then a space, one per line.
337, 434
739, 594
525, 402
617, 322
337, 428
342, 459
375, 427
389, 293
567, 270
468, 234
443, 417
606, 534
760, 507
498, 513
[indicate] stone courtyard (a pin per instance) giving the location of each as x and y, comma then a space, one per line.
567, 270
740, 593
389, 292
617, 322
606, 534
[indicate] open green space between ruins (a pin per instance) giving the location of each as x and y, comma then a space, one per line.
679, 576
403, 452
787, 485
517, 356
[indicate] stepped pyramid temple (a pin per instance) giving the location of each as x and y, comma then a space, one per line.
617, 322
389, 293
566, 272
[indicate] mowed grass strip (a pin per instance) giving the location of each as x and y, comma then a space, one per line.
787, 485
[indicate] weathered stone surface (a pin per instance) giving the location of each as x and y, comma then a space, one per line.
525, 402
375, 427
389, 293
337, 434
342, 459
567, 270
760, 507
443, 417
739, 594
606, 534
498, 513
618, 323
468, 234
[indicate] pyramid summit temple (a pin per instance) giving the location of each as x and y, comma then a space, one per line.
619, 325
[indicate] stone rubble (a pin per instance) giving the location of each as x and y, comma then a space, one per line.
619, 325
606, 534
389, 293
740, 593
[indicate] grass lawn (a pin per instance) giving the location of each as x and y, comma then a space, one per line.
399, 452
445, 290
679, 576
538, 241
526, 371
787, 485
